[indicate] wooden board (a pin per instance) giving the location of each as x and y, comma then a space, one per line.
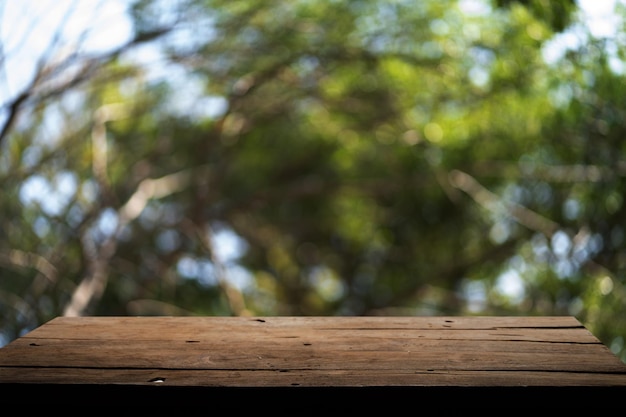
399, 356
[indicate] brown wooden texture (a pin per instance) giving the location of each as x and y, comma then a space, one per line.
312, 351
317, 352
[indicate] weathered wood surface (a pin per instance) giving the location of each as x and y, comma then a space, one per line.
316, 352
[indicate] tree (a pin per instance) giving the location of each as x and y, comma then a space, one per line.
360, 157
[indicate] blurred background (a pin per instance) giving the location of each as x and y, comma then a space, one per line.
414, 158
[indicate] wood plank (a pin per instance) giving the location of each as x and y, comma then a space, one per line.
312, 352
271, 354
313, 378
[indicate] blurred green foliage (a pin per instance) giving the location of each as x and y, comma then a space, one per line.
325, 158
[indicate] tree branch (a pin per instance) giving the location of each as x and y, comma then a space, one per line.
93, 284
493, 202
47, 73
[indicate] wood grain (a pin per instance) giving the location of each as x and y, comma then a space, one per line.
314, 352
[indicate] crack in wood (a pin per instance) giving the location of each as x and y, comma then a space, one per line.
318, 370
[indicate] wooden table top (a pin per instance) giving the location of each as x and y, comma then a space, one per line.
315, 352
